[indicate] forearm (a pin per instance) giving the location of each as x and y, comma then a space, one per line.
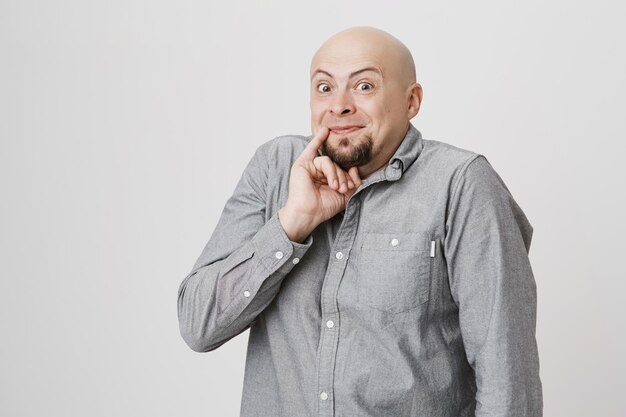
221, 299
506, 362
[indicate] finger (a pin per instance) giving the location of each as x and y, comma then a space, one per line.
354, 175
343, 180
310, 151
326, 166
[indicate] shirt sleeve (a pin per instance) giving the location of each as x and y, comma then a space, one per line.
486, 248
241, 267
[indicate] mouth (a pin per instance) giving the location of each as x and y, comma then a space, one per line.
344, 129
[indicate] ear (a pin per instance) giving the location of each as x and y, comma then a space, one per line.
415, 99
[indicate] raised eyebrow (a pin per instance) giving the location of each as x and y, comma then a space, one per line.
357, 72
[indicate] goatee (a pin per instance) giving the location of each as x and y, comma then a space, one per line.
359, 154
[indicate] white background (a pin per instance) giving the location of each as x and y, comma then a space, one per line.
125, 126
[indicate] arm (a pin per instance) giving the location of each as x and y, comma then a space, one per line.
238, 274
486, 247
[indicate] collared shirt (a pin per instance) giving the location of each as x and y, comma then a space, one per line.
417, 300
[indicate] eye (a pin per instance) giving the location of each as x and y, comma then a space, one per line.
364, 86
323, 88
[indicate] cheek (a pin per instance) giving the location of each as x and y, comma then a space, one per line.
374, 109
317, 111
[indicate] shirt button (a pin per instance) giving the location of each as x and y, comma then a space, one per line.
279, 255
394, 242
323, 396
295, 260
246, 293
339, 255
329, 324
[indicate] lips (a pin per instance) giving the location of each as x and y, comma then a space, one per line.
343, 129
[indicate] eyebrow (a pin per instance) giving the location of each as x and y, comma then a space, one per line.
373, 69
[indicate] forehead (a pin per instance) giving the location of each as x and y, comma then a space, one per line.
346, 66
344, 70
345, 56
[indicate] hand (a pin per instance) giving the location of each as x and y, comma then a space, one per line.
318, 190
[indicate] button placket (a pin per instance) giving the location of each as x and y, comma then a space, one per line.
344, 239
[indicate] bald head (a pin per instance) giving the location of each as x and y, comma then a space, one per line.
365, 41
363, 88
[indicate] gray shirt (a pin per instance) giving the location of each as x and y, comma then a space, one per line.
417, 300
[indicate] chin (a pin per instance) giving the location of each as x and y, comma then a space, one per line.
347, 150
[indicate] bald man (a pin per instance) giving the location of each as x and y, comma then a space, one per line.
379, 273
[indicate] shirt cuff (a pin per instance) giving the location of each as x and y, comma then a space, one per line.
275, 251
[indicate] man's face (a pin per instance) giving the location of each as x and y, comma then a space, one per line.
357, 97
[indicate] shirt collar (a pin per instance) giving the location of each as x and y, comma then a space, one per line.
408, 151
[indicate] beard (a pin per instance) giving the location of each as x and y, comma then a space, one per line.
349, 152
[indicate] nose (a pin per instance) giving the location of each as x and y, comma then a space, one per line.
342, 103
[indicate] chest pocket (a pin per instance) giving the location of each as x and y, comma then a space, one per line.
394, 270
